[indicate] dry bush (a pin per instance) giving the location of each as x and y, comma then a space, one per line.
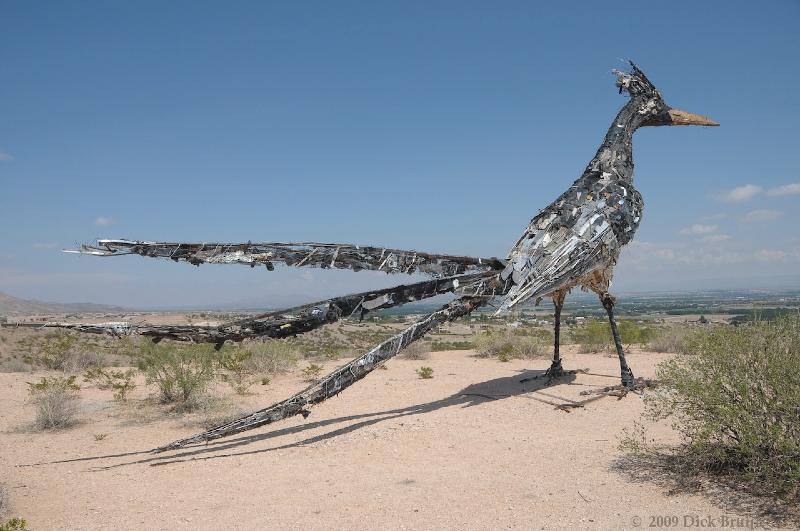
56, 402
506, 346
415, 351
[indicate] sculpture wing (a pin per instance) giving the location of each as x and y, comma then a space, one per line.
582, 231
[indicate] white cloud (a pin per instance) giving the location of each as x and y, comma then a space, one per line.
5, 156
104, 222
716, 238
740, 193
760, 215
698, 229
767, 255
786, 189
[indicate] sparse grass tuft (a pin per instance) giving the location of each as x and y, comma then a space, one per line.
55, 399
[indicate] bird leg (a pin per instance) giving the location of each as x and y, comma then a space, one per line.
627, 375
556, 370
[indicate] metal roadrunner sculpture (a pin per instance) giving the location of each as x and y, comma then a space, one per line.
573, 242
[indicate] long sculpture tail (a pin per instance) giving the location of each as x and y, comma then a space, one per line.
338, 380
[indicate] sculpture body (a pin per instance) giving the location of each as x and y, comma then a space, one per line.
573, 242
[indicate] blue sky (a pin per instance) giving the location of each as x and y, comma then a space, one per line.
439, 126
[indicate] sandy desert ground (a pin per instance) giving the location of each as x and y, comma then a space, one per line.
471, 448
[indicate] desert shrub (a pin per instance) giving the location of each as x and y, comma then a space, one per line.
595, 334
234, 361
61, 351
121, 382
51, 351
415, 351
55, 399
592, 336
441, 346
506, 346
311, 372
674, 339
633, 333
425, 373
181, 373
271, 357
735, 400
15, 524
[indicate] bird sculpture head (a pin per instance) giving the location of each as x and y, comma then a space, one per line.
650, 103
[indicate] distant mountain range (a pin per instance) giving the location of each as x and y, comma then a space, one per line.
13, 306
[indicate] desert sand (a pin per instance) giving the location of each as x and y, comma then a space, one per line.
392, 452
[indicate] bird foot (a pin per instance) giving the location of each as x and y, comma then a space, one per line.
635, 385
553, 373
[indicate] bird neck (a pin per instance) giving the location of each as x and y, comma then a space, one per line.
615, 155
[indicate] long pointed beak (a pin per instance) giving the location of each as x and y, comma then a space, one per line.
686, 118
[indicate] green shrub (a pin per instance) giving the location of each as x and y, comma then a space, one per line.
736, 403
633, 333
181, 373
121, 382
311, 372
55, 399
594, 335
235, 362
425, 373
506, 346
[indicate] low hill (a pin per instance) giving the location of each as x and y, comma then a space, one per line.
14, 306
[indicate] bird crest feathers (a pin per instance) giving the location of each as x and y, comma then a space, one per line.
635, 83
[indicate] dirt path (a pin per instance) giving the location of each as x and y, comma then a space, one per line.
393, 452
